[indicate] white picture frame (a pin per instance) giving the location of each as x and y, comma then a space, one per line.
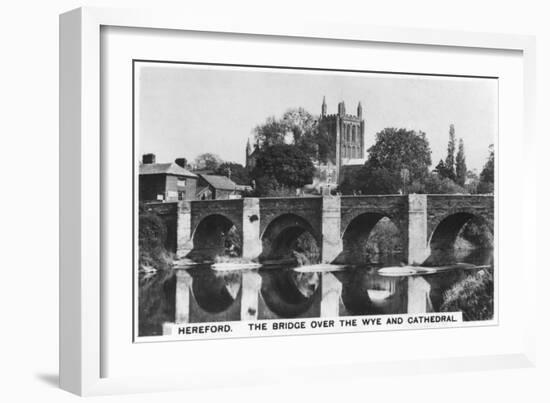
82, 300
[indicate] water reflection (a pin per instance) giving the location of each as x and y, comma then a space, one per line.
366, 292
287, 293
214, 291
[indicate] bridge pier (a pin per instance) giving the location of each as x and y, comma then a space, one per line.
184, 230
331, 291
251, 242
418, 292
417, 229
183, 296
250, 292
331, 217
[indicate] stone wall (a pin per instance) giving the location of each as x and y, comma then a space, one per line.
232, 209
308, 208
395, 207
311, 214
442, 206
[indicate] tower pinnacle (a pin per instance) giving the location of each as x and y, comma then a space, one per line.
324, 108
341, 108
359, 110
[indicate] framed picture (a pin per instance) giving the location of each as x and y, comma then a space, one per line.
246, 200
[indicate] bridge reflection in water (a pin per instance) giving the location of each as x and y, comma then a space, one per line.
202, 294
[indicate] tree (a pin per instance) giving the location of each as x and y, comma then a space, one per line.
208, 161
436, 184
378, 181
297, 127
396, 149
461, 169
487, 176
472, 181
283, 164
182, 162
303, 127
271, 132
441, 170
450, 160
236, 172
326, 145
152, 238
473, 296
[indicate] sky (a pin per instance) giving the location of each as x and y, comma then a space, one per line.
186, 110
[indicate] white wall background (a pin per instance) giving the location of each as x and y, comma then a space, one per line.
29, 198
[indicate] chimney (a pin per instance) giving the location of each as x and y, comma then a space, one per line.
148, 158
182, 162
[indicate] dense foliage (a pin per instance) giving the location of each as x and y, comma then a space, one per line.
396, 149
450, 160
300, 129
478, 233
436, 184
372, 181
461, 169
281, 166
399, 162
152, 236
473, 296
207, 161
236, 172
156, 304
487, 176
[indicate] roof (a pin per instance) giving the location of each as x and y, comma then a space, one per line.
170, 168
219, 182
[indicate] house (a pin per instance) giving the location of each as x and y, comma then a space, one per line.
217, 187
167, 182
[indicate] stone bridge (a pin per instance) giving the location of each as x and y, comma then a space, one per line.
267, 225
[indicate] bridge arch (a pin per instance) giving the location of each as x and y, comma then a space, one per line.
446, 229
358, 247
288, 232
216, 235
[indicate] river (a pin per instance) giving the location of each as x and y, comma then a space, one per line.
288, 293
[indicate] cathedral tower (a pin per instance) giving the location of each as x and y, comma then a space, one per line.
347, 133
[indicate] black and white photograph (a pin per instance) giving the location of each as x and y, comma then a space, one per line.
271, 200
243, 201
